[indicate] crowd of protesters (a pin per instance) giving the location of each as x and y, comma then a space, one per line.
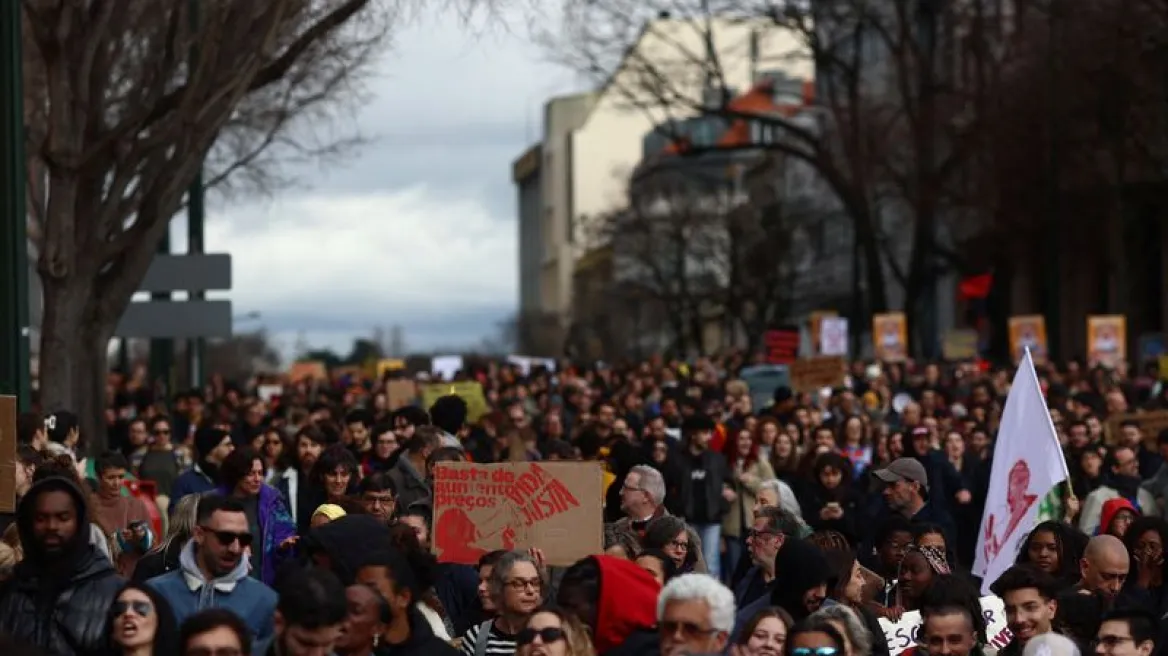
220, 523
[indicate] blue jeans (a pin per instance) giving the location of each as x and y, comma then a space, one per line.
711, 537
734, 550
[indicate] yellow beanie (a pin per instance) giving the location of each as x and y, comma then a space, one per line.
330, 510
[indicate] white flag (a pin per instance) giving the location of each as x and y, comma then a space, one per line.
1028, 463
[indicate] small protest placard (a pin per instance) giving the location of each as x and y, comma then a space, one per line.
307, 370
552, 506
813, 374
959, 344
1151, 423
782, 345
469, 391
903, 634
400, 392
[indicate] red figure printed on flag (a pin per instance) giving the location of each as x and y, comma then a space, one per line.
1018, 500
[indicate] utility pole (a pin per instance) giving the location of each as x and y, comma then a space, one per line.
14, 328
196, 214
162, 349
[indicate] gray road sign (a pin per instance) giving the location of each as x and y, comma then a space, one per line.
178, 319
169, 273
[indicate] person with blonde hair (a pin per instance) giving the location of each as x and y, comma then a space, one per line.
164, 557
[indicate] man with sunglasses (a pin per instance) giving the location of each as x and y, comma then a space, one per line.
695, 615
213, 571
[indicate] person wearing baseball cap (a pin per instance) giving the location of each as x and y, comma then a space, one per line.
904, 484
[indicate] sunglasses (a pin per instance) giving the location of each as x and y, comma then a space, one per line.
689, 630
822, 651
140, 608
546, 635
227, 538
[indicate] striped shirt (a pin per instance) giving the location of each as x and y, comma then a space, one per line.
498, 643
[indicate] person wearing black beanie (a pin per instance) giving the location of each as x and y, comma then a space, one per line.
211, 446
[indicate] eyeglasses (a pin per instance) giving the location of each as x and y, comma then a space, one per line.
524, 584
546, 635
379, 499
140, 608
227, 538
756, 534
689, 630
821, 651
677, 544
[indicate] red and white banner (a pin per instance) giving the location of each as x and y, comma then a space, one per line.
1028, 463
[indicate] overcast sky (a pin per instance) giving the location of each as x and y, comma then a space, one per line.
419, 228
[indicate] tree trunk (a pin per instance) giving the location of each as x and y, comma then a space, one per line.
73, 360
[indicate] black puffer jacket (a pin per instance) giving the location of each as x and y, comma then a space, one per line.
59, 602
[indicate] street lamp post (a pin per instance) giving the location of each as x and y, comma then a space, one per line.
196, 213
14, 328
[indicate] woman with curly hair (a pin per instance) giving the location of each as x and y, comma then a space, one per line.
1055, 548
673, 536
552, 632
1145, 541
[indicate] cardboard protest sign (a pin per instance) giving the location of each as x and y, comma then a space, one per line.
552, 506
7, 454
470, 391
903, 634
813, 374
1106, 340
1028, 332
309, 370
816, 325
890, 336
400, 393
386, 365
959, 344
1151, 423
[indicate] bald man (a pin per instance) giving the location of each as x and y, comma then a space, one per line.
1104, 567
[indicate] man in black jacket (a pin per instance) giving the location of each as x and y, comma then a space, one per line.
706, 487
60, 594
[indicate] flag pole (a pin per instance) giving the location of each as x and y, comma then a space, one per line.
1053, 433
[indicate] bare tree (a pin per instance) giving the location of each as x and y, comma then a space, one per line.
1072, 144
704, 242
895, 125
126, 100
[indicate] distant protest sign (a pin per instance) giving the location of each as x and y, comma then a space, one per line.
1151, 423
551, 506
903, 634
469, 391
813, 374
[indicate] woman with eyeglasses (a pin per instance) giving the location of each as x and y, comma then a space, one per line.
813, 637
141, 623
671, 535
552, 632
